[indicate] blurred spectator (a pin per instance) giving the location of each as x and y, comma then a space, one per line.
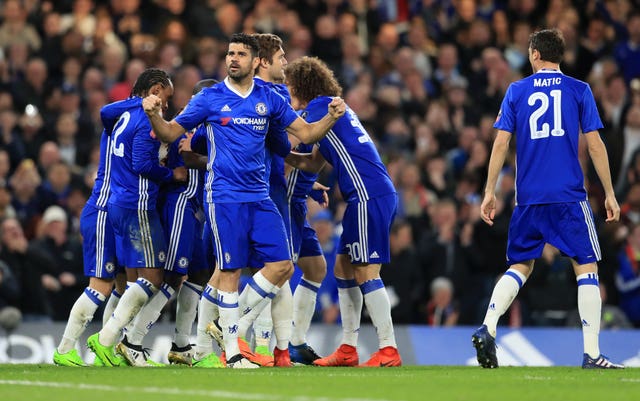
442, 254
327, 304
65, 261
628, 275
9, 287
551, 290
122, 89
630, 208
6, 209
627, 51
414, 198
25, 182
442, 308
112, 60
15, 28
57, 185
401, 276
447, 70
517, 51
27, 263
31, 90
593, 46
80, 19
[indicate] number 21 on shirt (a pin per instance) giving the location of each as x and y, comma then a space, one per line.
541, 99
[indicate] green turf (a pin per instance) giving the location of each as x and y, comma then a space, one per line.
437, 383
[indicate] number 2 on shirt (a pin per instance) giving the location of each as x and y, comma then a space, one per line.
123, 121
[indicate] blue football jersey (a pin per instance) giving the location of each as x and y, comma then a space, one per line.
136, 171
349, 149
546, 112
109, 114
299, 182
277, 145
236, 127
190, 190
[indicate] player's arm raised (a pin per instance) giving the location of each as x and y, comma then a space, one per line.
600, 159
166, 131
498, 155
313, 132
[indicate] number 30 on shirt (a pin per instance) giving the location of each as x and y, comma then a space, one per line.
543, 106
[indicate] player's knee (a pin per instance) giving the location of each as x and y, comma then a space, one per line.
316, 272
102, 285
174, 280
283, 269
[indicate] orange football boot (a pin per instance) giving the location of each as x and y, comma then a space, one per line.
345, 355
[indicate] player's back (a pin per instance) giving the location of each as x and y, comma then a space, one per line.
192, 188
547, 111
300, 182
102, 184
277, 180
109, 114
350, 150
128, 188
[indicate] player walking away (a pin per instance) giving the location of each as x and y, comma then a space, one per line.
238, 113
371, 206
547, 112
136, 175
98, 248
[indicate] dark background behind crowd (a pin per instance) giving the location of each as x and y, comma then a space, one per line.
426, 79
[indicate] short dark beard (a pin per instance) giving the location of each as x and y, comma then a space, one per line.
237, 78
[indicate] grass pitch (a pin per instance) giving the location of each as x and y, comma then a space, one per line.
437, 383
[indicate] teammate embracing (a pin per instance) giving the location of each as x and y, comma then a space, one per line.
371, 207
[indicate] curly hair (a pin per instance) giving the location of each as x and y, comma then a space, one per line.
148, 78
309, 77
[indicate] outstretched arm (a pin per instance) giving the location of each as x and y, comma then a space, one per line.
600, 159
166, 131
311, 133
498, 155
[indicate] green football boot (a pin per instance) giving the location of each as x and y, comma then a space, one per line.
106, 354
209, 361
71, 358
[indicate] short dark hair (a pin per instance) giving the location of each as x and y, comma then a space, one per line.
309, 77
248, 40
148, 78
269, 44
204, 83
549, 43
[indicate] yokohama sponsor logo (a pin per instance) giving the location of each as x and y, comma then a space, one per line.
249, 121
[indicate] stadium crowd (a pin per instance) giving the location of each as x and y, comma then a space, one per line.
426, 79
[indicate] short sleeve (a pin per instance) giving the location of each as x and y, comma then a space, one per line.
589, 116
195, 112
506, 119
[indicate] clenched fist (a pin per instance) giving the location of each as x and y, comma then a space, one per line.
152, 104
337, 107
